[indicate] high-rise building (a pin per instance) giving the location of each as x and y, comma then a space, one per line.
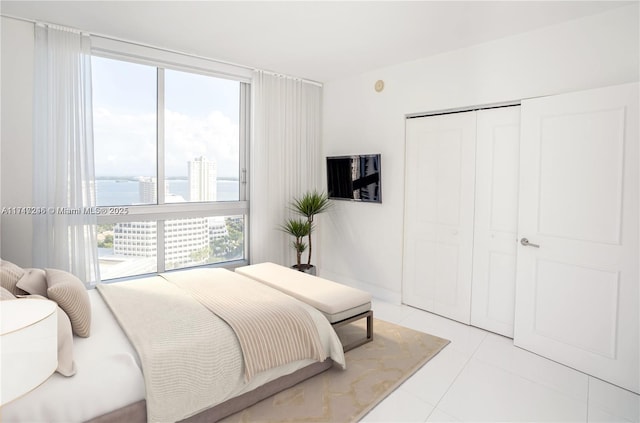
148, 189
186, 241
217, 227
202, 179
136, 239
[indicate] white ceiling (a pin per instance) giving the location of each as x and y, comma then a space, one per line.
320, 40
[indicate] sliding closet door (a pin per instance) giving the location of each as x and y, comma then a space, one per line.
496, 219
438, 226
577, 272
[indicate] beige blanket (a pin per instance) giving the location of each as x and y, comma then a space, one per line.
191, 358
272, 328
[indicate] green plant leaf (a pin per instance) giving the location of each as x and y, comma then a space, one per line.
300, 247
297, 227
311, 203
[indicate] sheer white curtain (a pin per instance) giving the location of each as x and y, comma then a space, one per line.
64, 237
285, 159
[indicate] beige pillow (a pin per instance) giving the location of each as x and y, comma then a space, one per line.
10, 274
70, 294
34, 281
66, 365
6, 295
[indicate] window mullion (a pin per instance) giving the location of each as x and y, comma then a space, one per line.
160, 137
245, 130
160, 187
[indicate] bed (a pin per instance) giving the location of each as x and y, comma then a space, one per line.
110, 384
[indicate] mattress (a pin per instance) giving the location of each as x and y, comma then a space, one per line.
109, 376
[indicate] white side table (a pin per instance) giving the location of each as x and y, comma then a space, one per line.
28, 345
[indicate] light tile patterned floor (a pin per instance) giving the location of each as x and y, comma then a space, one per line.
483, 377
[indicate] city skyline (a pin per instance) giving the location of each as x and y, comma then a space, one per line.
187, 241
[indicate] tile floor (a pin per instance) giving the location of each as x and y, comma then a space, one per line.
483, 377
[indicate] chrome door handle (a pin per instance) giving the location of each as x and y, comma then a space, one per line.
526, 243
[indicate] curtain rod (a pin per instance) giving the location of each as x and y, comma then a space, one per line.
122, 40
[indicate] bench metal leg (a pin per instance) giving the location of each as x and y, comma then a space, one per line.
368, 338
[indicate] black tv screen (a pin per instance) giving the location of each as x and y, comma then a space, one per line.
355, 178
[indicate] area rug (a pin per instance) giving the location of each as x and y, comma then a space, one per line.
373, 371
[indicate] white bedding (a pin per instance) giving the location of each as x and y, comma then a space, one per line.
109, 375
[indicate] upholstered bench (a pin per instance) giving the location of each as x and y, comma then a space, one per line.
341, 304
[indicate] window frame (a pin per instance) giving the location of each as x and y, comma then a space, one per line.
161, 212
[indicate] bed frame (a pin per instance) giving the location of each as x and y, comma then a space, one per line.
137, 412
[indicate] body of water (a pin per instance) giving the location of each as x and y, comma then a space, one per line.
116, 192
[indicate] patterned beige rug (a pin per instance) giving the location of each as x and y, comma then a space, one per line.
374, 370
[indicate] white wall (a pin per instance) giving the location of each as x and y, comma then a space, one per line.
16, 152
362, 243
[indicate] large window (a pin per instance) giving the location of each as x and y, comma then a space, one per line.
169, 149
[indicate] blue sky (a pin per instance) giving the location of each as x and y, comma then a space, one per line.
202, 115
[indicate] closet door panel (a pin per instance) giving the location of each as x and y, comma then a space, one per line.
440, 161
577, 288
495, 224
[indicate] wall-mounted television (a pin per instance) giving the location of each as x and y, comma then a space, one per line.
355, 178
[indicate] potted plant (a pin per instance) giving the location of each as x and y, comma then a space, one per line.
297, 228
308, 205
